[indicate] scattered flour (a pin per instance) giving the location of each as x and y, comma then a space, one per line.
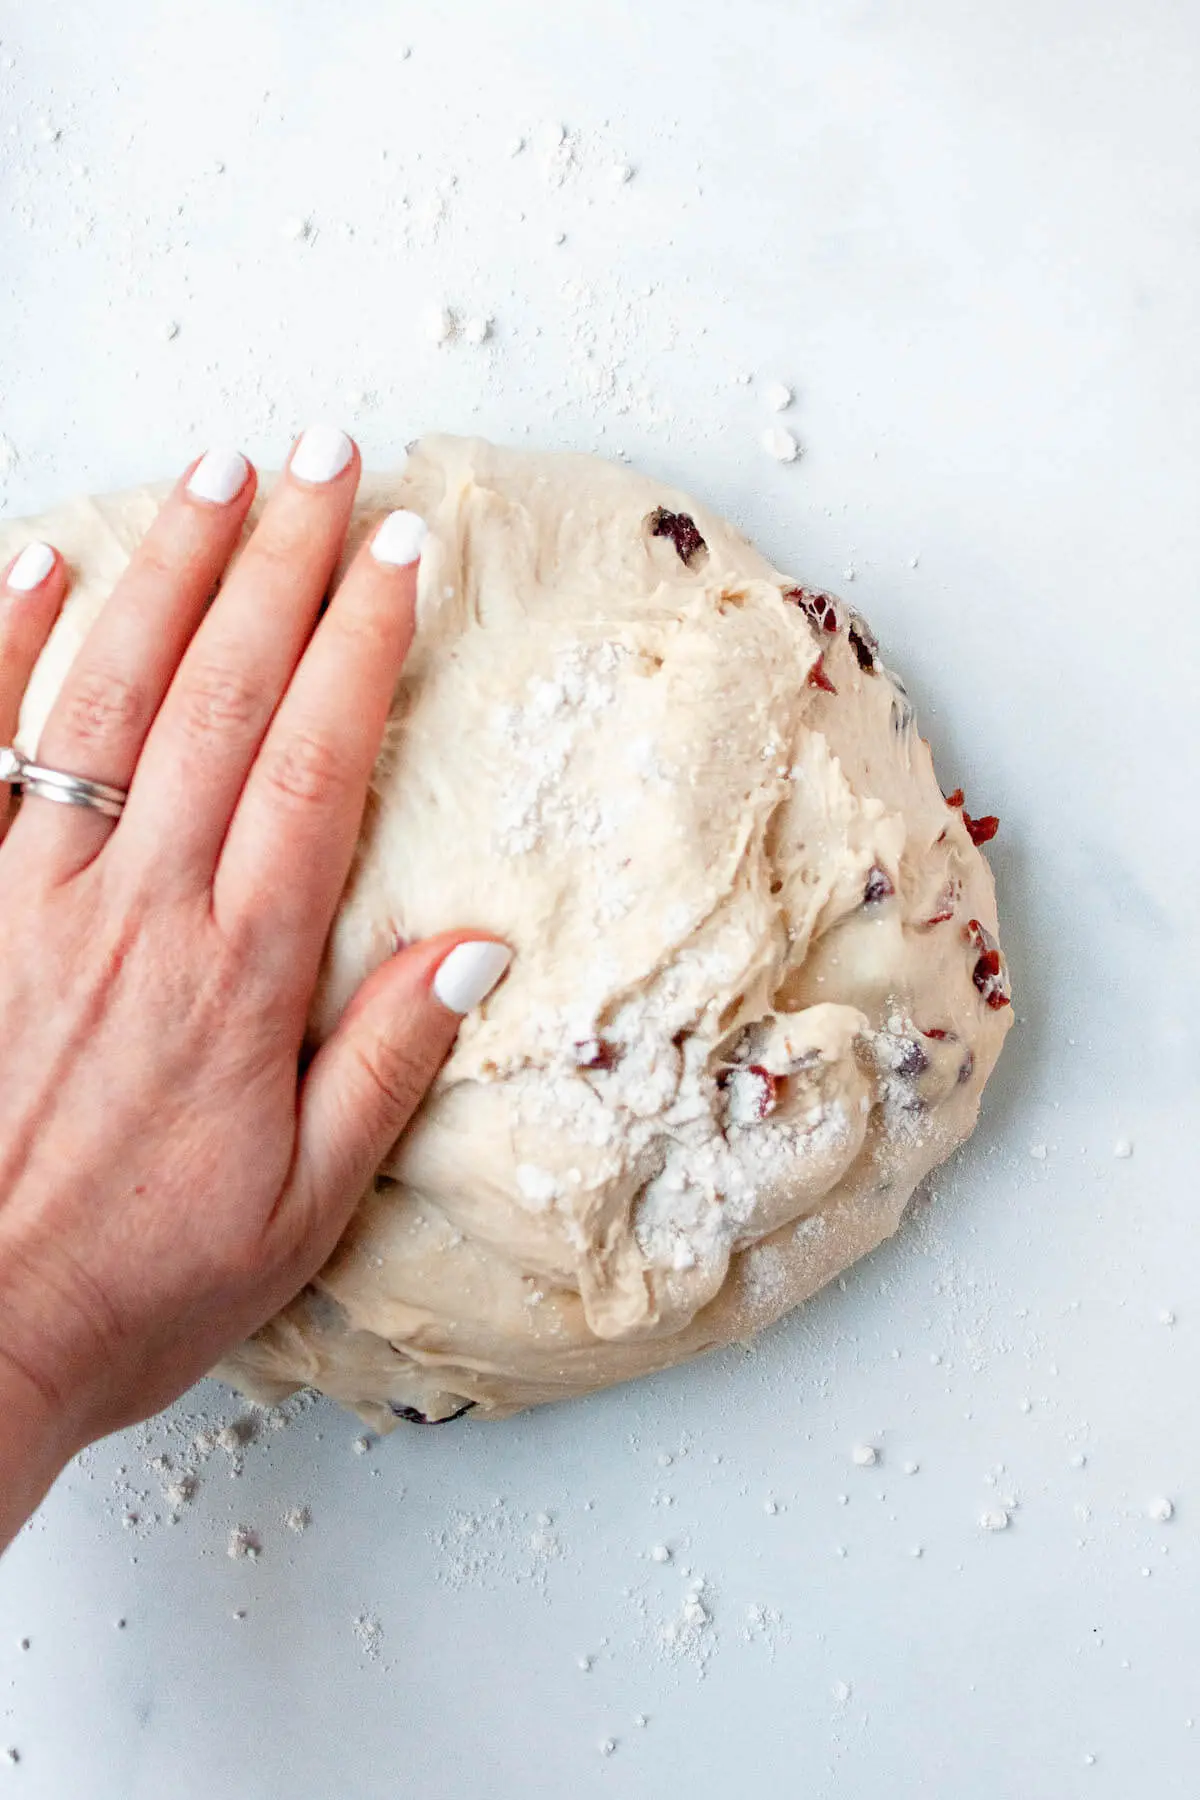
368, 1635
688, 1635
780, 443
763, 1625
244, 1544
493, 1546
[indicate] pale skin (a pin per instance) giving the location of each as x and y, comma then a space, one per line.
170, 1172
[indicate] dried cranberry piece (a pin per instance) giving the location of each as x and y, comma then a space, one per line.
981, 831
966, 1067
413, 1417
912, 1061
879, 886
597, 1053
936, 1031
817, 608
989, 973
865, 645
769, 1088
818, 678
683, 532
753, 1092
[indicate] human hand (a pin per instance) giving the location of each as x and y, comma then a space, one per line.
169, 1174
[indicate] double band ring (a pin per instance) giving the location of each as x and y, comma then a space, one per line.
54, 784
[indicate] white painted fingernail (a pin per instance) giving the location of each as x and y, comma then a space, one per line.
469, 974
219, 476
399, 539
31, 568
322, 453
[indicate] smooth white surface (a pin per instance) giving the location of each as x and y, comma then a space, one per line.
967, 237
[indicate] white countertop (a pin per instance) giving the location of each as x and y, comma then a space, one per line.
971, 245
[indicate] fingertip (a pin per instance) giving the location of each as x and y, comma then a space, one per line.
399, 540
31, 592
457, 970
220, 477
321, 453
32, 570
468, 973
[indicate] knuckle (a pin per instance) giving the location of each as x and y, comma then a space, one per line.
156, 565
282, 548
397, 1076
218, 701
307, 770
367, 631
101, 705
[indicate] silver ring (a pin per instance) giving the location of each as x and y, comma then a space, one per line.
53, 784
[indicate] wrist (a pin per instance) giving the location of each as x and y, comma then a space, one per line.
39, 1432
35, 1445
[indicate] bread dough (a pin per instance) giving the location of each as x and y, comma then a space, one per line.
755, 995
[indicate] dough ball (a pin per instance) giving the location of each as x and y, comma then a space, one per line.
756, 991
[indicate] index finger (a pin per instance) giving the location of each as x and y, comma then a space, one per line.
303, 802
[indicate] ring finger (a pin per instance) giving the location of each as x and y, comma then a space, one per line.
116, 684
30, 596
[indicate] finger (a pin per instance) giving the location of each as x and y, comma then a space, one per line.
30, 597
211, 724
116, 684
303, 801
367, 1081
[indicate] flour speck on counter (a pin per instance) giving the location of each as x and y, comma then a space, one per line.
368, 1635
780, 443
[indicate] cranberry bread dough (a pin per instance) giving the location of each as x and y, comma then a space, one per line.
756, 992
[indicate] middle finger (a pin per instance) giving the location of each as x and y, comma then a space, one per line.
239, 663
